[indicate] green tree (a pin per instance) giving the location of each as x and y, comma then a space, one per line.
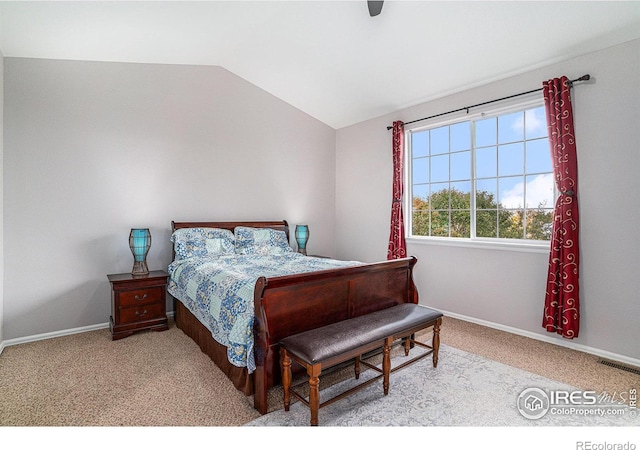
540, 223
447, 213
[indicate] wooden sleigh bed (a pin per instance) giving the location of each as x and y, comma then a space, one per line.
286, 305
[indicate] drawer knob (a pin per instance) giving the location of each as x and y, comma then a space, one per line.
140, 314
137, 297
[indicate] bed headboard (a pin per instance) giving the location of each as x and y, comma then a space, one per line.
276, 225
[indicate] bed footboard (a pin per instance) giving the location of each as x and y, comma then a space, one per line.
292, 304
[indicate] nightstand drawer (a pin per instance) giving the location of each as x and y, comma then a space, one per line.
138, 303
140, 297
141, 313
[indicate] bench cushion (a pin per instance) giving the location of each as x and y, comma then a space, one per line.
319, 344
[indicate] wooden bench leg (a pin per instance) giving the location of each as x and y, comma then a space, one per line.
436, 341
386, 363
314, 395
356, 367
286, 378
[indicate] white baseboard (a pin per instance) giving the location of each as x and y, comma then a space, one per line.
55, 334
539, 337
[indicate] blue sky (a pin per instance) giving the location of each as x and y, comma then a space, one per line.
506, 146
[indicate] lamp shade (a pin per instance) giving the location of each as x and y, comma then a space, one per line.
302, 236
140, 243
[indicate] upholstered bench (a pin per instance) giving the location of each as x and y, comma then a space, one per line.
349, 339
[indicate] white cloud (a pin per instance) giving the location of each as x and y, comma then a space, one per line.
539, 192
535, 121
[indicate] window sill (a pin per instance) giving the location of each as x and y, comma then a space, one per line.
527, 247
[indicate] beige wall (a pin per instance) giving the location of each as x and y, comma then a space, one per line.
506, 288
94, 149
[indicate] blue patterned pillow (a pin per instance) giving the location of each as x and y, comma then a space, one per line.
200, 242
261, 241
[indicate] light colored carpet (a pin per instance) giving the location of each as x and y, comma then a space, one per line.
147, 379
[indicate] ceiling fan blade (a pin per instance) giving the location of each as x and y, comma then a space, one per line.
374, 7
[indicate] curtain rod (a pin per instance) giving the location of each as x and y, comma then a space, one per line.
466, 108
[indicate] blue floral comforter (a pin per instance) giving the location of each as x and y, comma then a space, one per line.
218, 290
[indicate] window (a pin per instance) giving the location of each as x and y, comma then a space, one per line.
490, 177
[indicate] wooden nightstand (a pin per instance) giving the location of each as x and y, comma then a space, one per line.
138, 303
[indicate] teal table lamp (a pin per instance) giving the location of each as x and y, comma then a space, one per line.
302, 236
139, 243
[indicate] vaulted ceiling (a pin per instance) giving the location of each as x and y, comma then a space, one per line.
330, 59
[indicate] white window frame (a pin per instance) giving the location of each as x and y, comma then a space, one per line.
510, 244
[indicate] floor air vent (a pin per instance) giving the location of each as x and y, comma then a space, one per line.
620, 366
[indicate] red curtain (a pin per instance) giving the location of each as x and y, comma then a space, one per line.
562, 305
397, 245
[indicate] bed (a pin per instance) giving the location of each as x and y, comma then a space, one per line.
279, 303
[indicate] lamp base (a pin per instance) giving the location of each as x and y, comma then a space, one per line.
140, 268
